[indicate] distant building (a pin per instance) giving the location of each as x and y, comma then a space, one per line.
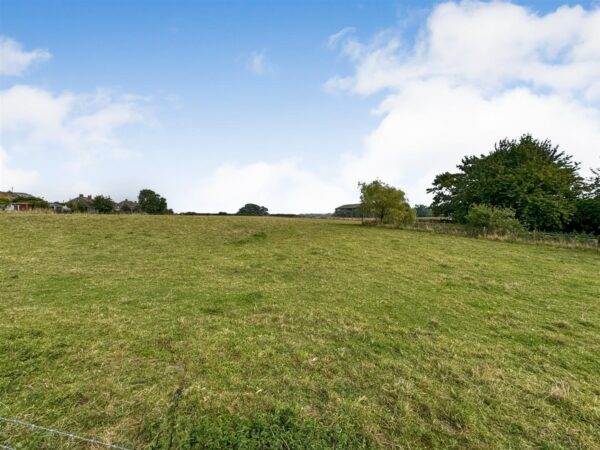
82, 204
59, 208
351, 210
127, 207
19, 207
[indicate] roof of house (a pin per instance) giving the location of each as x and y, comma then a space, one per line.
82, 199
349, 206
129, 203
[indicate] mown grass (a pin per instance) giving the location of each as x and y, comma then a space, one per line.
230, 332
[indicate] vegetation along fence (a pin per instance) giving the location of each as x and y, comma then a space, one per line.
578, 240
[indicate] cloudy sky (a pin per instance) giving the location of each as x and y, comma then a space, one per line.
284, 103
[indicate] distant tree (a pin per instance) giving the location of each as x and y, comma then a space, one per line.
493, 220
423, 211
384, 202
103, 205
251, 209
532, 177
152, 203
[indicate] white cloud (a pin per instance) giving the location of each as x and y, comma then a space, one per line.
488, 45
83, 125
16, 179
259, 64
283, 187
477, 73
14, 60
336, 37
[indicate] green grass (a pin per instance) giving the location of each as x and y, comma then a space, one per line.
230, 332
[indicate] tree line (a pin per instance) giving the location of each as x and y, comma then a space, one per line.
523, 184
148, 202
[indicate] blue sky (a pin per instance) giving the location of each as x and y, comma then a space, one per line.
215, 104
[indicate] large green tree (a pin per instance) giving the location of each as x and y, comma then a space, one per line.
252, 209
587, 208
532, 177
152, 203
384, 202
103, 205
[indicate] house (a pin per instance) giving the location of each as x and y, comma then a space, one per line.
19, 207
7, 200
350, 210
127, 207
82, 204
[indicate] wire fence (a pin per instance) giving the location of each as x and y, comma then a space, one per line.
571, 240
71, 436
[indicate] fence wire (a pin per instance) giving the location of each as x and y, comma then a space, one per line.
60, 433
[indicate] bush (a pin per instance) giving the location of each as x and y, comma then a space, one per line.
493, 220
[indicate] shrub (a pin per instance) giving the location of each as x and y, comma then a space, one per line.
493, 220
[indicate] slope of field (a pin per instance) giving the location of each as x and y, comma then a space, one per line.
209, 332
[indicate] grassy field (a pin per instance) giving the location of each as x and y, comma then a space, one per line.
230, 332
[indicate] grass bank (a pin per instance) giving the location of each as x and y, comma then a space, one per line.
208, 332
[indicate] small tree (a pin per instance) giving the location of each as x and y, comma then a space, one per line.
493, 220
152, 203
251, 209
384, 202
103, 205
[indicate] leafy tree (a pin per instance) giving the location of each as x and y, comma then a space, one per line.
423, 211
251, 209
384, 202
493, 220
532, 177
587, 208
103, 205
152, 203
593, 187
